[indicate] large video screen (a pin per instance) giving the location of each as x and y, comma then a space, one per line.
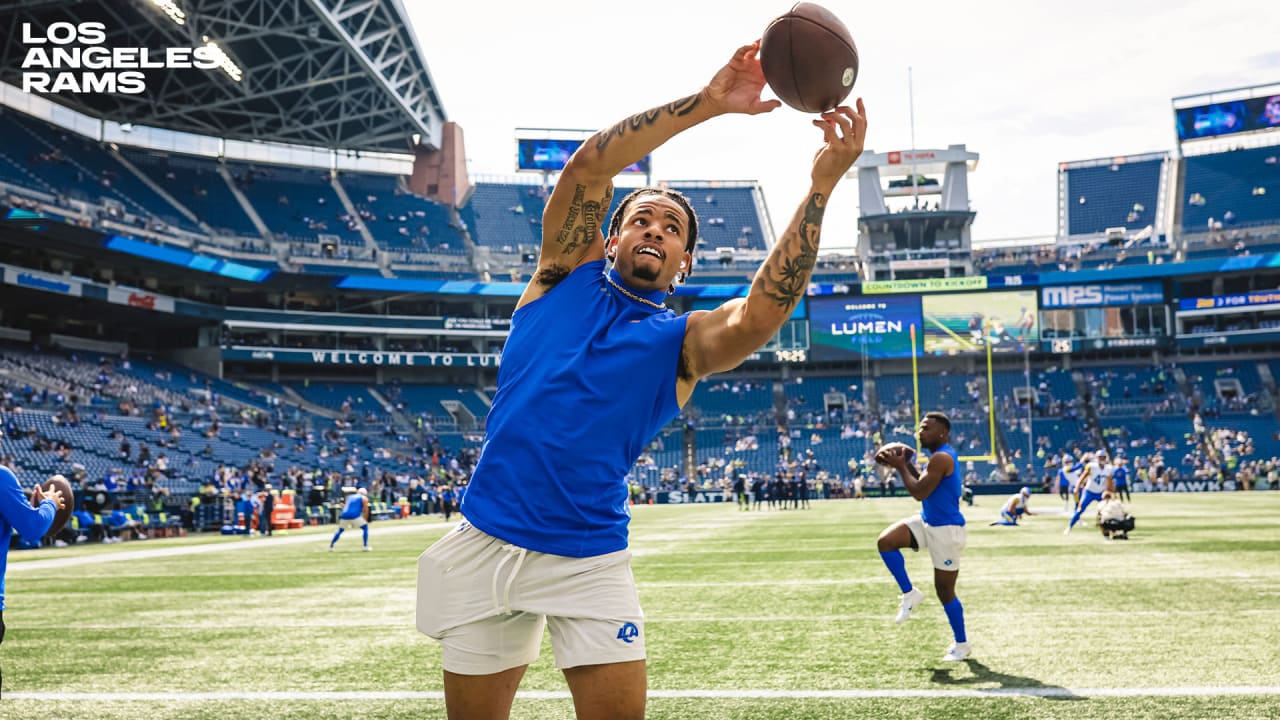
1226, 118
551, 155
844, 328
966, 323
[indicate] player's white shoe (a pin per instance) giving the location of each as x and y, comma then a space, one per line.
367, 548
958, 652
910, 600
1067, 531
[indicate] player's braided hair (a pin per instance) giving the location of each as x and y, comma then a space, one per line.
615, 223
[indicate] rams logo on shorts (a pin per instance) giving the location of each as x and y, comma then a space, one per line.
628, 633
947, 563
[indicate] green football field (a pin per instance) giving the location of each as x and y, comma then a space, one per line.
782, 614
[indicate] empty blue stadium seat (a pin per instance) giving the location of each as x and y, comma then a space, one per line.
1245, 183
1118, 195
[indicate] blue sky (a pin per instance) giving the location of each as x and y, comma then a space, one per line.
1026, 85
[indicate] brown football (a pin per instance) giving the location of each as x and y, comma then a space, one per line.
809, 59
57, 482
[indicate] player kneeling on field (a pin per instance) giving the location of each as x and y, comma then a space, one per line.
1114, 522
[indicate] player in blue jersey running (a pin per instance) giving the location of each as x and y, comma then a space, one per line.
594, 366
32, 519
939, 526
355, 514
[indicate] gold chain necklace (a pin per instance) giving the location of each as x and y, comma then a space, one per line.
633, 296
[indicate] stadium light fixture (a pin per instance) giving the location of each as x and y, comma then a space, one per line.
225, 62
171, 10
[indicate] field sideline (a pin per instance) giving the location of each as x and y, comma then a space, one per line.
776, 614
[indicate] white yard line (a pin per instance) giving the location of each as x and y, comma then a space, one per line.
245, 544
853, 694
701, 620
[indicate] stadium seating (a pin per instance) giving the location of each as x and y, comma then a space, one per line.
429, 399
1135, 389
727, 217
396, 218
81, 168
970, 425
508, 217
715, 400
505, 217
1229, 182
196, 183
1107, 196
1202, 377
296, 203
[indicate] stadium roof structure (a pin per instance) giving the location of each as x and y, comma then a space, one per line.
338, 74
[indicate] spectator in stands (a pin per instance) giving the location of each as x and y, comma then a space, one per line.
573, 305
120, 524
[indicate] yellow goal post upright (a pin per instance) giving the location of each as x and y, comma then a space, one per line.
991, 405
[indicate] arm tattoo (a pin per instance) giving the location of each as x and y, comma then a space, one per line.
571, 218
575, 235
785, 275
679, 108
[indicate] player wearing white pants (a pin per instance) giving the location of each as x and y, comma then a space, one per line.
939, 526
594, 366
487, 602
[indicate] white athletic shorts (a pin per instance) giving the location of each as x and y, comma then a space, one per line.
945, 542
487, 601
353, 524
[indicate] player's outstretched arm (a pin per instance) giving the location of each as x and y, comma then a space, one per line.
721, 339
573, 221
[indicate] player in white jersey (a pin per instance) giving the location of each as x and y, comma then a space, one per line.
1089, 488
1068, 475
1014, 508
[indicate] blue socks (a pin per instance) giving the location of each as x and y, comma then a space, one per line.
366, 535
955, 616
336, 536
898, 568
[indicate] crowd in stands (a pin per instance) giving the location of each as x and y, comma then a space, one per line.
126, 434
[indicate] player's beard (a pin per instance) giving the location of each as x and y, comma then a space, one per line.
644, 273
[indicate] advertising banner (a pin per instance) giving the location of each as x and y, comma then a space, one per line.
363, 357
853, 327
958, 324
1101, 295
36, 280
139, 299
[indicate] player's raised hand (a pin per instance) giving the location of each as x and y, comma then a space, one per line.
736, 87
845, 132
